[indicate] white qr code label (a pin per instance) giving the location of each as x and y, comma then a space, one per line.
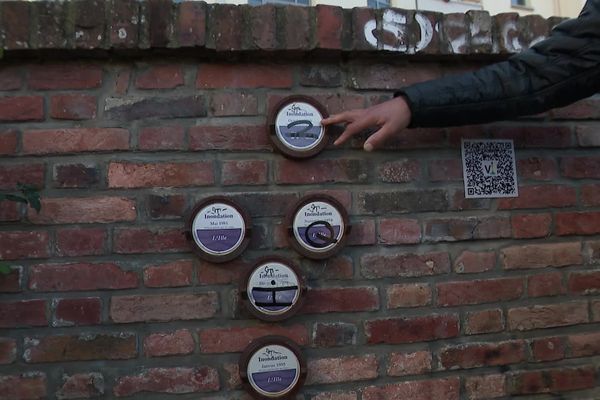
489, 168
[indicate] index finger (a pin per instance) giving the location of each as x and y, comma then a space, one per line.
337, 118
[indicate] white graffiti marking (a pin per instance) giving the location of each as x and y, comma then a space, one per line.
511, 42
426, 32
395, 24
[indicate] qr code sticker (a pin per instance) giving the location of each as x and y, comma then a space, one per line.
489, 168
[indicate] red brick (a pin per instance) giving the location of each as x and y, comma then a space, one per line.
76, 175
469, 262
229, 138
458, 202
11, 282
162, 138
9, 211
408, 295
224, 36
190, 28
30, 174
72, 242
547, 316
122, 81
330, 23
80, 276
138, 175
555, 380
456, 28
538, 169
402, 364
479, 291
84, 347
485, 387
84, 210
558, 136
163, 308
482, 355
142, 240
591, 252
15, 25
28, 386
235, 339
585, 282
10, 78
220, 274
411, 330
528, 226
24, 244
454, 229
173, 274
445, 170
225, 104
244, 76
544, 196
595, 305
394, 231
262, 21
485, 321
320, 171
577, 223
179, 342
169, 380
391, 77
244, 172
548, 349
582, 109
404, 265
160, 77
342, 369
166, 207
73, 106
8, 350
353, 299
584, 345
548, 284
581, 167
297, 27
74, 140
21, 108
83, 385
232, 379
70, 312
438, 389
587, 136
265, 204
64, 76
541, 255
590, 195
399, 171
334, 334
8, 142
362, 233
23, 313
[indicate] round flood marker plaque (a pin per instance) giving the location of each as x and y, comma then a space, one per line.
272, 367
318, 226
295, 127
273, 289
219, 229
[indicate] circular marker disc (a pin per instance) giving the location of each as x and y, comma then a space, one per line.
219, 229
272, 367
318, 226
295, 127
273, 289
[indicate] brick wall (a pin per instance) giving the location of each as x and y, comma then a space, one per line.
126, 118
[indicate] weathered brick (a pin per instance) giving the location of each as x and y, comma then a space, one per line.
584, 345
321, 75
265, 204
580, 167
552, 136
244, 172
70, 312
554, 380
123, 24
411, 330
548, 284
23, 313
455, 229
64, 76
469, 262
587, 135
390, 77
382, 203
543, 196
136, 108
11, 281
439, 389
403, 364
547, 316
232, 379
591, 252
536, 168
13, 174
353, 299
224, 104
548, 349
528, 226
162, 138
485, 321
9, 211
584, 282
190, 28
334, 334
24, 244
80, 276
590, 195
451, 294
73, 106
320, 171
16, 19
595, 305
235, 339
408, 295
179, 342
8, 142
84, 210
76, 175
577, 223
223, 33
541, 255
137, 175
169, 380
485, 387
80, 242
27, 386
84, 347
399, 171
163, 307
455, 30
89, 20
74, 140
341, 369
8, 351
229, 138
475, 355
244, 76
166, 206
362, 233
21, 108
363, 21
582, 109
445, 170
393, 231
404, 265
81, 386
172, 274
167, 76
143, 240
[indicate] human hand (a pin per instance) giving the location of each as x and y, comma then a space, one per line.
389, 117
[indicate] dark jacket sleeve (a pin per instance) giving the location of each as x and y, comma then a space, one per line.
557, 71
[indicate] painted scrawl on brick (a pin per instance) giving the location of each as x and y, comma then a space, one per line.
395, 26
